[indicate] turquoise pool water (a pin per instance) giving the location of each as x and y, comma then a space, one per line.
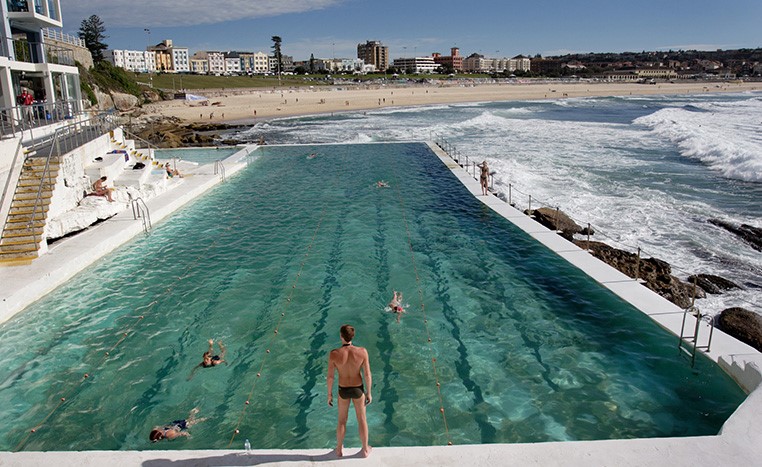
198, 155
527, 348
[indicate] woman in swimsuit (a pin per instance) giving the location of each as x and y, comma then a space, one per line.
484, 177
208, 360
175, 429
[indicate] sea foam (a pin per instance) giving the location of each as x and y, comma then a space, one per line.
724, 136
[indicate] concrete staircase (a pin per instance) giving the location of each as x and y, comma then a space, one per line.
22, 236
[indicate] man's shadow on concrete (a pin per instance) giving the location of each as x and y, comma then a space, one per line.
235, 459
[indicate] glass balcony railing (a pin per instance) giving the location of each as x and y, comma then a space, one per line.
36, 52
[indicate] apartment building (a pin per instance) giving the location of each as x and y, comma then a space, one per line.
138, 61
216, 63
416, 64
232, 63
454, 60
169, 58
481, 64
199, 63
374, 53
27, 61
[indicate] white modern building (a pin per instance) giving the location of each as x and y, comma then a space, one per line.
180, 60
28, 62
216, 63
416, 64
232, 63
139, 61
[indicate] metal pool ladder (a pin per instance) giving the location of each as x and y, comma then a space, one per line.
140, 211
688, 345
219, 169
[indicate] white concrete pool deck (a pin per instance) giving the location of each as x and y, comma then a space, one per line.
739, 443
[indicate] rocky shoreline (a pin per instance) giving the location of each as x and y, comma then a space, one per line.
656, 274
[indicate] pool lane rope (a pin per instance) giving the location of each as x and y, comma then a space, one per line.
107, 354
423, 308
274, 334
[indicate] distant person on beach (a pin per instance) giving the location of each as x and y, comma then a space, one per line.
484, 177
99, 189
208, 360
350, 362
395, 305
175, 429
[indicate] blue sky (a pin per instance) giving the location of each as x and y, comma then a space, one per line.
329, 28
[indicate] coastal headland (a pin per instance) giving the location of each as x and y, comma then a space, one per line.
244, 106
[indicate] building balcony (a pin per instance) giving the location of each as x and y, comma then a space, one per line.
21, 50
35, 13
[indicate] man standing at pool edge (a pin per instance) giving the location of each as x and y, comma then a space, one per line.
349, 361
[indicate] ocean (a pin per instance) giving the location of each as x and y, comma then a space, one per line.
646, 172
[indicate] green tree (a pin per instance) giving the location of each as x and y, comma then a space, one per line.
91, 31
276, 53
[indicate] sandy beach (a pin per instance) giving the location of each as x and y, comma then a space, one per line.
250, 105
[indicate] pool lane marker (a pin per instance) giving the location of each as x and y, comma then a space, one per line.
423, 308
274, 334
107, 354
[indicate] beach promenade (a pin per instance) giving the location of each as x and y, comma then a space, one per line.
256, 104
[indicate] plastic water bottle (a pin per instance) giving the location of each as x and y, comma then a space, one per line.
247, 446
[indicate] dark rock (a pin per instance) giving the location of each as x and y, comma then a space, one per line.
712, 284
656, 273
744, 325
555, 219
750, 234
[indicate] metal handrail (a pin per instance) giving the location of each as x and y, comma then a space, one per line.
219, 168
20, 118
8, 182
151, 147
96, 127
140, 211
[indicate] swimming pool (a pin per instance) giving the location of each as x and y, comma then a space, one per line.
198, 155
527, 348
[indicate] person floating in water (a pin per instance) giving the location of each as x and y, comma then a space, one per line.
396, 305
175, 429
382, 184
484, 177
312, 156
350, 362
208, 360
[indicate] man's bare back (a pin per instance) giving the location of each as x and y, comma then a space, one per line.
351, 362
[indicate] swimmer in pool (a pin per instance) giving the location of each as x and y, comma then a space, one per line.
175, 429
395, 305
208, 360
